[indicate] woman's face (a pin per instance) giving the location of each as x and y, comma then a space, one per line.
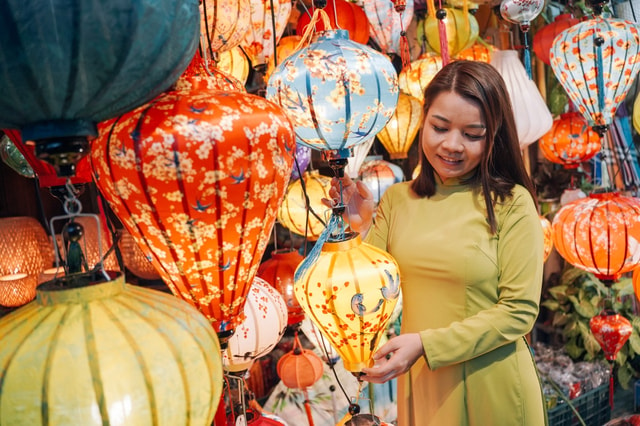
454, 135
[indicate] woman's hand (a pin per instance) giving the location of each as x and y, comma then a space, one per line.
358, 200
394, 358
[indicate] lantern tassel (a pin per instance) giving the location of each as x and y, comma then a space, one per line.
335, 223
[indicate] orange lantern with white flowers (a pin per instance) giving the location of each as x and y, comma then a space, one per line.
571, 141
401, 130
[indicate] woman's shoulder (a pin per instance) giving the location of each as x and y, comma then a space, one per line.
519, 200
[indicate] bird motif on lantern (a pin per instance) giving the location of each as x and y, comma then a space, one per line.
570, 141
596, 61
197, 177
223, 24
401, 130
599, 234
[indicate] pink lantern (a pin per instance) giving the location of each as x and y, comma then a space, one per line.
259, 41
223, 23
387, 23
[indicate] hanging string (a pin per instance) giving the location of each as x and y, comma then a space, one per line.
527, 50
318, 14
405, 53
275, 41
440, 15
598, 40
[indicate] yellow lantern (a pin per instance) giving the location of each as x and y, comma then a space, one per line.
401, 130
413, 79
294, 214
461, 27
108, 353
349, 293
234, 63
478, 51
636, 113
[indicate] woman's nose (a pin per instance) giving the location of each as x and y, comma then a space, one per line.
453, 142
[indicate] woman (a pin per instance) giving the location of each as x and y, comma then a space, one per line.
467, 237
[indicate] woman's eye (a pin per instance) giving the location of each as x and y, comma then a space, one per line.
475, 137
439, 129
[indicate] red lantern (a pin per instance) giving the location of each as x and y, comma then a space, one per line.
571, 141
543, 38
612, 331
344, 15
278, 271
600, 234
197, 179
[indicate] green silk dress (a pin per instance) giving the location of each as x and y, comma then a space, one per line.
472, 296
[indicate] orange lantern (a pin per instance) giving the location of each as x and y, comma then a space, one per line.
478, 51
223, 23
401, 130
17, 289
547, 233
342, 14
350, 292
461, 29
635, 279
24, 246
571, 141
600, 234
286, 47
293, 213
278, 271
543, 38
612, 331
413, 79
197, 179
202, 75
134, 259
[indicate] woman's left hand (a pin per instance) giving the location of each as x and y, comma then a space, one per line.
394, 358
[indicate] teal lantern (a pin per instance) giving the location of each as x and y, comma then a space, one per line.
596, 61
66, 65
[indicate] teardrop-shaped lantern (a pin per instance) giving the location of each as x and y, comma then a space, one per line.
401, 130
223, 24
612, 331
67, 67
295, 215
600, 234
533, 118
342, 14
349, 292
278, 271
570, 141
197, 179
461, 30
387, 24
264, 323
543, 38
108, 353
413, 79
337, 92
547, 233
268, 20
596, 61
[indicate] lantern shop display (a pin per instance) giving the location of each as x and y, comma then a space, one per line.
401, 130
599, 234
571, 141
108, 353
197, 179
349, 292
278, 271
294, 213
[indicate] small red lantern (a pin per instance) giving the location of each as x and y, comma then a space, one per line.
571, 141
612, 331
342, 14
600, 234
543, 38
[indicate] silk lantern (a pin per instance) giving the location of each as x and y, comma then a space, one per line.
349, 292
596, 61
108, 353
235, 63
268, 20
478, 51
387, 25
460, 28
413, 79
337, 92
264, 323
547, 233
533, 118
67, 68
285, 48
223, 24
278, 271
202, 75
543, 38
522, 12
401, 130
302, 160
599, 234
378, 175
197, 179
342, 14
570, 141
294, 213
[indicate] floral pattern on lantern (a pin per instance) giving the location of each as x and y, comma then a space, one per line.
570, 141
197, 179
278, 271
349, 292
461, 30
223, 23
336, 92
478, 51
413, 80
596, 61
612, 331
599, 234
258, 42
202, 75
401, 130
387, 24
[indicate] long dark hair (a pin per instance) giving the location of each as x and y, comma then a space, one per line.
501, 166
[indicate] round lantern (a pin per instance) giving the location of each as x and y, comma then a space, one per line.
342, 14
265, 320
197, 179
17, 289
570, 141
66, 68
413, 79
108, 353
295, 215
278, 271
478, 51
24, 246
134, 259
337, 92
612, 331
268, 20
543, 38
401, 130
596, 61
349, 292
461, 29
378, 175
223, 23
600, 234
547, 233
300, 368
387, 24
235, 63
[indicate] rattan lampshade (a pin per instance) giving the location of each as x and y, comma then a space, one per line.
17, 289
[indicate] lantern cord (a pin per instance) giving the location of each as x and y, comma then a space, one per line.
206, 27
527, 52
311, 27
275, 41
442, 32
597, 42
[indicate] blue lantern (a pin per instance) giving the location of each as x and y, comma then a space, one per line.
66, 65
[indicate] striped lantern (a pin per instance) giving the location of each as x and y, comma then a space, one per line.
401, 130
570, 141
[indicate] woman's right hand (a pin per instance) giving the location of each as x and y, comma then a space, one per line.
358, 200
